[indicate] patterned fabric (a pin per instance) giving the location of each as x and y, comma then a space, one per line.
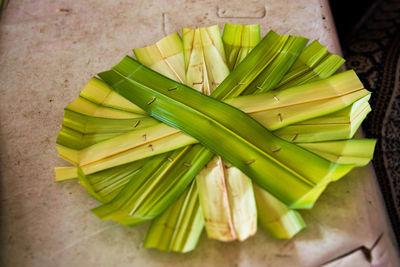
374, 52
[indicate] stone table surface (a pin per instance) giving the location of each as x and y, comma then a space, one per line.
49, 49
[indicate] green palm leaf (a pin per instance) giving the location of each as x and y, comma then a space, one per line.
231, 128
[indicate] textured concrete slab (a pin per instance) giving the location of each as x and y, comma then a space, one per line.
50, 49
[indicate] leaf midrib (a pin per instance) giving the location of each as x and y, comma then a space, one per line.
304, 102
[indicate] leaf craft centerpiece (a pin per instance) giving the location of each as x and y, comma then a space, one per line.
218, 132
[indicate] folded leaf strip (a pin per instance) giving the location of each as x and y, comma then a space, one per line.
211, 119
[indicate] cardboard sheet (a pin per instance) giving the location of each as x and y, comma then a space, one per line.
50, 49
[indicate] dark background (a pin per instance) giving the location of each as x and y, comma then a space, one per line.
347, 15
